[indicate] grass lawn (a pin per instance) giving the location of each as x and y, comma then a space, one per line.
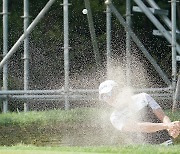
138, 149
38, 128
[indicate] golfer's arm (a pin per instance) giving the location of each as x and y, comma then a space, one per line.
147, 127
161, 115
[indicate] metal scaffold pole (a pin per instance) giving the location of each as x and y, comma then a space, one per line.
108, 35
66, 53
173, 43
26, 33
140, 45
174, 54
128, 43
176, 95
5, 51
166, 20
26, 50
156, 22
93, 34
66, 94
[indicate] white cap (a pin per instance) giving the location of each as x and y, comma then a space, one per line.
106, 87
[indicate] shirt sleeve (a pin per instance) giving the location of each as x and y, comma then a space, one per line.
151, 102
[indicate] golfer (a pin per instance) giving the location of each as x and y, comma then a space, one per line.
138, 114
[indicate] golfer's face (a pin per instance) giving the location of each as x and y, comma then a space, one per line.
110, 96
111, 101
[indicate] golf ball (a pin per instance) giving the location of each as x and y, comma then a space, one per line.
84, 11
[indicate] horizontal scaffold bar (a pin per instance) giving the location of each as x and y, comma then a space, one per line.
93, 97
58, 91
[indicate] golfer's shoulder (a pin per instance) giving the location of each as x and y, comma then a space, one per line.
140, 95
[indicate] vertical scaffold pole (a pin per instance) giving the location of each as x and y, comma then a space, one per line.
5, 51
26, 50
28, 31
176, 95
140, 45
66, 53
156, 22
173, 16
173, 43
108, 35
128, 43
93, 34
166, 20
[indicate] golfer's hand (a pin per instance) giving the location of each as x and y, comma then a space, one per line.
174, 129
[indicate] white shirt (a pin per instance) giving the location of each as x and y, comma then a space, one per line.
119, 117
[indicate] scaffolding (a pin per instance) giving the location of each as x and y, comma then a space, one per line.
67, 94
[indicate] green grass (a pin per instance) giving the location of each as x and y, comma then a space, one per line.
49, 117
58, 116
173, 116
136, 149
76, 127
